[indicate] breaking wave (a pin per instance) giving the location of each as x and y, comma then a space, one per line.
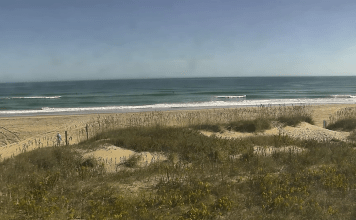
190, 105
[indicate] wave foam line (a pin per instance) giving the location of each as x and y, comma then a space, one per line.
342, 96
231, 96
34, 97
197, 105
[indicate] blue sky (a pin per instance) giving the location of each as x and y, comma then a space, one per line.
46, 40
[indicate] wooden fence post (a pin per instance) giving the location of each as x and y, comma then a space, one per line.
66, 134
86, 128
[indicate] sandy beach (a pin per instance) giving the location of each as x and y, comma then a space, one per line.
18, 134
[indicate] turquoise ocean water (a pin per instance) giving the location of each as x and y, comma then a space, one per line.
132, 95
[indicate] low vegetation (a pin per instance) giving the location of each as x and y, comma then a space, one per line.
214, 120
285, 115
208, 127
204, 178
256, 125
343, 125
295, 120
343, 120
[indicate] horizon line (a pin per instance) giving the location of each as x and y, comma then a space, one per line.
193, 77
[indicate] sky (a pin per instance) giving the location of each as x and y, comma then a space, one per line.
50, 40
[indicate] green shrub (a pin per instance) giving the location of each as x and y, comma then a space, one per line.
343, 125
198, 213
133, 161
256, 125
208, 127
294, 120
90, 162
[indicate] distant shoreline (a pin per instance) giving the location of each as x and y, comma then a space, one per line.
138, 110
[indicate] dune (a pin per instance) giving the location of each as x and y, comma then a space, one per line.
19, 134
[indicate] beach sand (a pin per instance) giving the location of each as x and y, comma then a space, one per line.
18, 134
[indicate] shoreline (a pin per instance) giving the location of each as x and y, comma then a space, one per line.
24, 133
142, 110
48, 111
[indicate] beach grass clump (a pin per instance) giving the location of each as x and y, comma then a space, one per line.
250, 126
343, 125
208, 127
259, 119
293, 115
343, 120
294, 120
133, 161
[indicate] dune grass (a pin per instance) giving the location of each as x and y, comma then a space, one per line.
204, 178
343, 125
262, 124
208, 127
262, 120
214, 120
295, 120
343, 120
57, 183
250, 126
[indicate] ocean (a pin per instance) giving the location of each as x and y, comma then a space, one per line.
132, 95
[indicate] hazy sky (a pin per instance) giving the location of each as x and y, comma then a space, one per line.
45, 40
